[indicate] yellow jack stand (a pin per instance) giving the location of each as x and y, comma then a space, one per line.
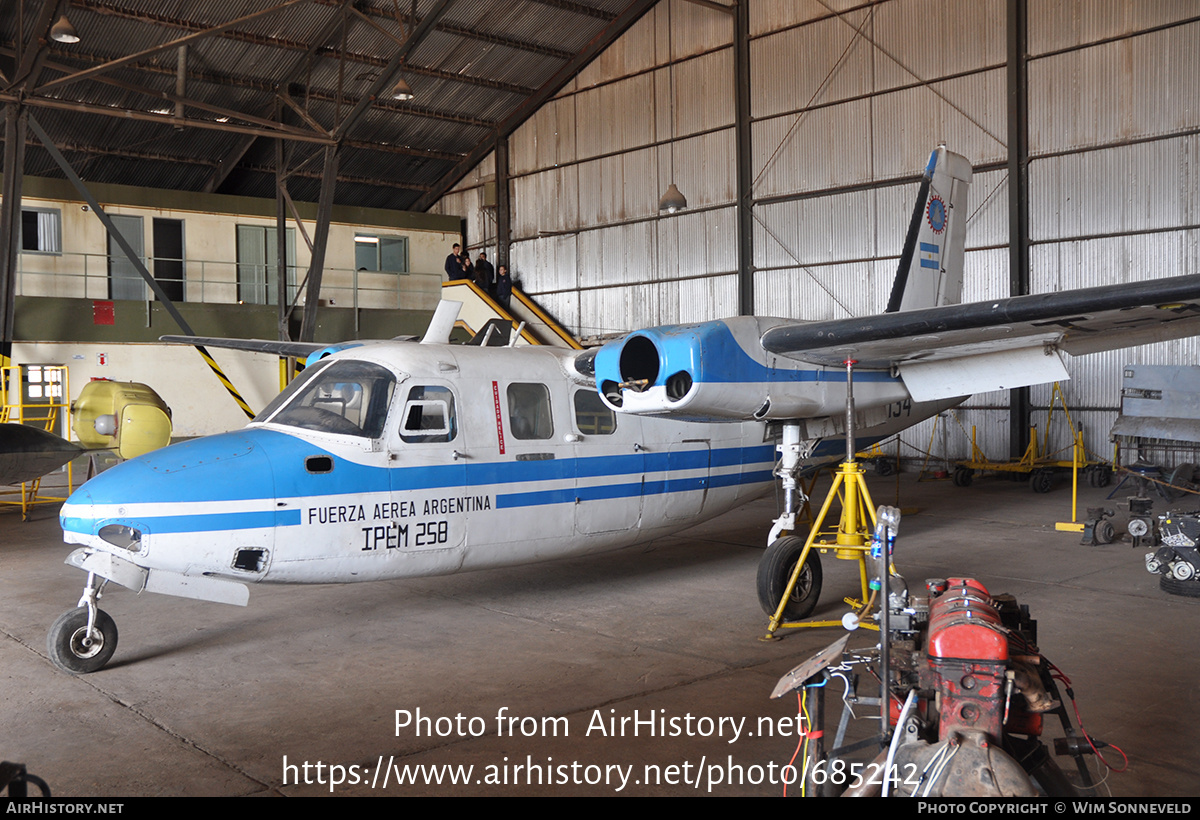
850, 541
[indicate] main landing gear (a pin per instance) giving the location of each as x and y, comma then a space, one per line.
83, 640
789, 574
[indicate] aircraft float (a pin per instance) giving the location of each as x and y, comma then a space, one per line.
395, 459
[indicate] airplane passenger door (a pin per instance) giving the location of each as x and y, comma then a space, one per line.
610, 466
428, 518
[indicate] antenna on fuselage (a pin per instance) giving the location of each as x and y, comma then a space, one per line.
442, 323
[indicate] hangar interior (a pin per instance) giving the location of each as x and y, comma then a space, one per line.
222, 139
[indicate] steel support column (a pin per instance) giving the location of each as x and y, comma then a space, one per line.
281, 291
1018, 198
503, 203
745, 171
316, 270
10, 224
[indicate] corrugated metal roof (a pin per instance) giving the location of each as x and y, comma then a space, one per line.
472, 69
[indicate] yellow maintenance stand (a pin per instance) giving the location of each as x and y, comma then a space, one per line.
789, 576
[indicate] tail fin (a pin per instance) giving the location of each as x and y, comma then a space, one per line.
931, 265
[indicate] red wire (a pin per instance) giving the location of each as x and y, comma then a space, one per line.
802, 738
1058, 674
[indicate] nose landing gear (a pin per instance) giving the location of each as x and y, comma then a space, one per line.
83, 640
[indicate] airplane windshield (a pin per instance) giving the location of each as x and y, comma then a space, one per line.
347, 398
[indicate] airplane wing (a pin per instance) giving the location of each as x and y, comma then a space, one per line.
438, 332
760, 368
301, 350
955, 350
29, 452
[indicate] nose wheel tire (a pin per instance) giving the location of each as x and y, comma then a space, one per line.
73, 650
774, 571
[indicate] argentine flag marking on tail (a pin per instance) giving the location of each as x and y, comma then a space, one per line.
929, 256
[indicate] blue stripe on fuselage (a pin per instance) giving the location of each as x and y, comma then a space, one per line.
149, 478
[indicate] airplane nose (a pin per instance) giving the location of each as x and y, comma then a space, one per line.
211, 486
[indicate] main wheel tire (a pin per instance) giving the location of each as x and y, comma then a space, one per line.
69, 647
885, 467
963, 476
1190, 589
774, 571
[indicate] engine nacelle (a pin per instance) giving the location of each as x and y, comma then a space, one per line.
719, 371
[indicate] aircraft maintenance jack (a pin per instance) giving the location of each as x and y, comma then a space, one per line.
789, 575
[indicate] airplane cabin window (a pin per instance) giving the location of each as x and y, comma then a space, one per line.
429, 415
529, 411
592, 416
347, 398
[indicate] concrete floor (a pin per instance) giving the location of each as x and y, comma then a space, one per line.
205, 699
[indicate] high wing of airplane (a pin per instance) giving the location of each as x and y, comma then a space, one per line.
394, 459
29, 452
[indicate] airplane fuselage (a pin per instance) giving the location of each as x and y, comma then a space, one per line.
406, 460
499, 469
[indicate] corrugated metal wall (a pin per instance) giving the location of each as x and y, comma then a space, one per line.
1114, 109
847, 99
587, 171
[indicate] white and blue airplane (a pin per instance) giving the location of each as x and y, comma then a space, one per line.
396, 459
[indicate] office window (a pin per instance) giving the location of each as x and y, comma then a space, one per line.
41, 230
258, 266
385, 254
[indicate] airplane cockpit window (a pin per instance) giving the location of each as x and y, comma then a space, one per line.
592, 416
529, 411
429, 415
347, 398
